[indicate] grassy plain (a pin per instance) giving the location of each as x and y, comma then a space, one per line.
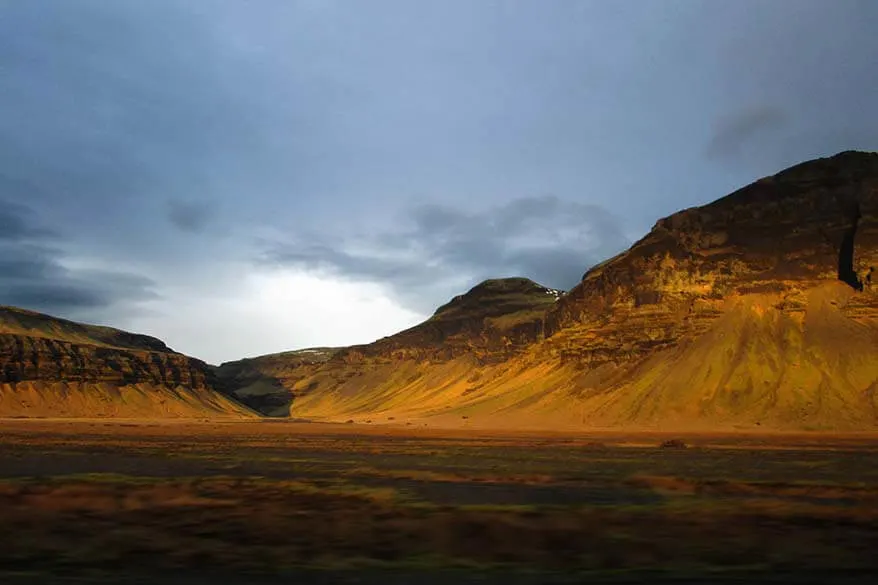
278, 502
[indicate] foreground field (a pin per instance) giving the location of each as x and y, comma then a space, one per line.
271, 502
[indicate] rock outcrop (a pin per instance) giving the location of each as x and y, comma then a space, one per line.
755, 311
492, 322
55, 367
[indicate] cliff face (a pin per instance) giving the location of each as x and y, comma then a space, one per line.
58, 363
33, 358
757, 310
811, 224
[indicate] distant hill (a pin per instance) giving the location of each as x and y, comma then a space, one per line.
261, 382
15, 321
52, 367
487, 323
757, 311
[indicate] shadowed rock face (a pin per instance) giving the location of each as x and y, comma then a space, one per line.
491, 322
755, 311
38, 352
263, 383
39, 347
25, 358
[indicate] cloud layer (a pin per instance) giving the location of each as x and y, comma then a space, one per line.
33, 273
438, 248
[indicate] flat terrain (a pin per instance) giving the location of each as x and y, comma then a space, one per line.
192, 502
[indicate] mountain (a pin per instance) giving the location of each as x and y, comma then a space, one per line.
755, 311
490, 323
52, 367
262, 382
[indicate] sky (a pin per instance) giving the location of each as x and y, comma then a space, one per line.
246, 177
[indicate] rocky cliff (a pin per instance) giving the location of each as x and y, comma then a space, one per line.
755, 311
55, 367
811, 224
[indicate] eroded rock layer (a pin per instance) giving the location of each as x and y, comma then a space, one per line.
54, 367
814, 223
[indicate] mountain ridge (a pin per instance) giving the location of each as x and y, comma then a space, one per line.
757, 310
60, 368
726, 315
15, 320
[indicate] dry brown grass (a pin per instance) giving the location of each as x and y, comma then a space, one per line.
256, 497
677, 485
438, 476
246, 524
261, 525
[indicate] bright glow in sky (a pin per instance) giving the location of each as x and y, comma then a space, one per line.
312, 310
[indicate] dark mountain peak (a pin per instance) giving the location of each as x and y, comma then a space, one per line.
514, 283
496, 296
848, 162
491, 320
846, 171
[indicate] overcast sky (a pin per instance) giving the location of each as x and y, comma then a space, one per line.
239, 178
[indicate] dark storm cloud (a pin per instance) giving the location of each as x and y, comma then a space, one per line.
32, 274
737, 131
113, 109
792, 80
190, 216
18, 222
546, 239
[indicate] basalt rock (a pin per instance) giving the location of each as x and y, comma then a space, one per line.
814, 223
58, 362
